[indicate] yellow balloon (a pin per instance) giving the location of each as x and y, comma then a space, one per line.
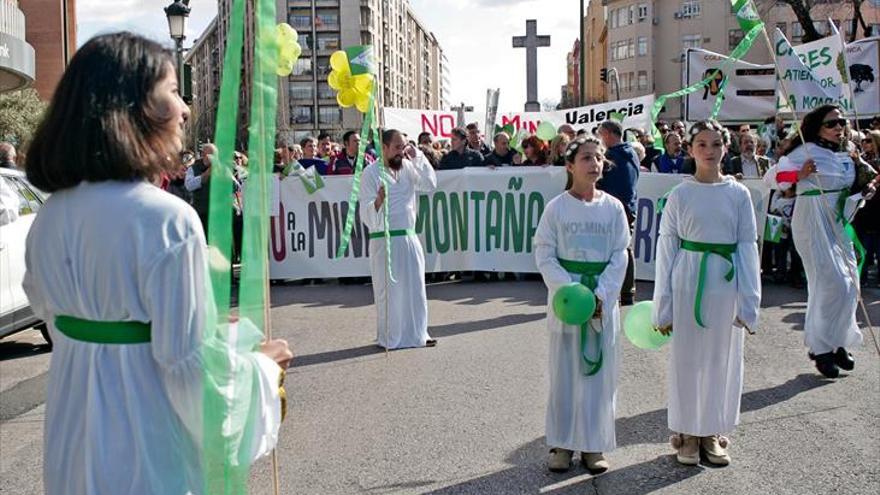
285, 33
344, 79
363, 104
297, 50
285, 67
346, 98
333, 80
339, 61
363, 83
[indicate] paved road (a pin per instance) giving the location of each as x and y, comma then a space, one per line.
468, 415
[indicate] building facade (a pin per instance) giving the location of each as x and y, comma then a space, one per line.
17, 62
595, 37
412, 69
51, 30
646, 39
571, 91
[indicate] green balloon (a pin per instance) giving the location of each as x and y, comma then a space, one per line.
546, 131
639, 327
574, 304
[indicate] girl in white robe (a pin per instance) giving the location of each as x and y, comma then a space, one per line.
824, 175
706, 289
118, 270
402, 303
580, 225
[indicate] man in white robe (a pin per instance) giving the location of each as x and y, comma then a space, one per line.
401, 302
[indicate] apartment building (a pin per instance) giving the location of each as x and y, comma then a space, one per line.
412, 69
646, 39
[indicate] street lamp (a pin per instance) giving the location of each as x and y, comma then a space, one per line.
177, 13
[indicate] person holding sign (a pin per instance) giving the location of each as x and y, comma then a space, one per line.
707, 289
582, 238
401, 302
825, 175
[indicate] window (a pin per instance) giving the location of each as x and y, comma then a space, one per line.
323, 67
302, 67
301, 90
734, 36
690, 8
781, 26
874, 30
300, 19
329, 115
630, 48
613, 19
822, 27
631, 16
643, 46
301, 115
643, 80
328, 41
691, 41
325, 91
328, 20
797, 31
643, 12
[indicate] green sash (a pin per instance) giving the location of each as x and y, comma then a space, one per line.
589, 272
725, 251
103, 332
393, 233
847, 226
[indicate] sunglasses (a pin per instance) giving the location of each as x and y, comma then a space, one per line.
831, 124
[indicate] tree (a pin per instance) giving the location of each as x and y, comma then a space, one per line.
20, 113
801, 9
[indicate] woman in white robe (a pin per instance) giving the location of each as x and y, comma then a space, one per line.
583, 224
118, 270
824, 175
707, 239
401, 303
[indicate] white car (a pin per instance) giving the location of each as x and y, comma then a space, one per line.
19, 203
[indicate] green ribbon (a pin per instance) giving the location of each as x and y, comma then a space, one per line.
589, 272
741, 49
392, 233
366, 127
719, 98
847, 225
103, 332
725, 251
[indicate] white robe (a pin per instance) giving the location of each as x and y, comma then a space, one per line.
580, 409
127, 419
827, 252
401, 305
706, 364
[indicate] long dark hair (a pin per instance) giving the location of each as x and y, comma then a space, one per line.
810, 127
101, 124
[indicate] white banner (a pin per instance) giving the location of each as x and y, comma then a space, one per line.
813, 77
414, 122
749, 93
635, 112
477, 219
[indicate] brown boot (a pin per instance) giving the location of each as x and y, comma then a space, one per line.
715, 449
687, 449
560, 460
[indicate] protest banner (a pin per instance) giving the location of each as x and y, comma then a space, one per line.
477, 219
749, 94
634, 112
810, 75
413, 122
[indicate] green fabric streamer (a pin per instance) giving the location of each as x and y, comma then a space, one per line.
719, 99
356, 178
741, 49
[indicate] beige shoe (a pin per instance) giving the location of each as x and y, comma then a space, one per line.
687, 449
595, 462
715, 449
560, 460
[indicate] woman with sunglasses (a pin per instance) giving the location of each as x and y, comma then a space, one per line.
824, 172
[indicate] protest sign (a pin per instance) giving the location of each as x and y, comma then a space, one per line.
477, 219
749, 94
413, 122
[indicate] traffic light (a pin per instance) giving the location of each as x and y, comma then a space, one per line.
603, 74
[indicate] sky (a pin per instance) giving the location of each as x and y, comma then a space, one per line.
475, 36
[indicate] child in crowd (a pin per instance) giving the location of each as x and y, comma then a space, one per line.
707, 289
582, 237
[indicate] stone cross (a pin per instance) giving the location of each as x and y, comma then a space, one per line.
531, 41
